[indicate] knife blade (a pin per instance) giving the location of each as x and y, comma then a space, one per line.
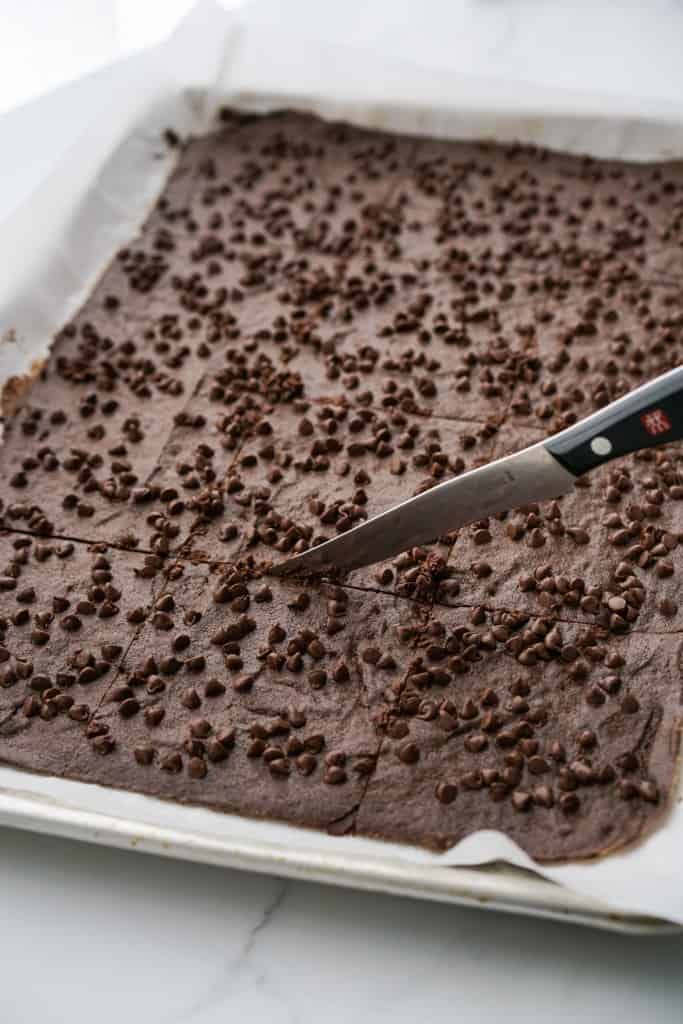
648, 416
530, 475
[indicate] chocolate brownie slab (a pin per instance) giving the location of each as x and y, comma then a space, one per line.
70, 613
567, 749
317, 321
245, 694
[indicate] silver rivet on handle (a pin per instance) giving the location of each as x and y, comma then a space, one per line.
601, 446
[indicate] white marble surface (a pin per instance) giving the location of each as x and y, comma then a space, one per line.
116, 937
623, 47
90, 934
627, 48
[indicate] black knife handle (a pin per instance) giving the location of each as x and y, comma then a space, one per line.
648, 416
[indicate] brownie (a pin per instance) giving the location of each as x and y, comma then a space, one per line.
315, 322
71, 614
566, 732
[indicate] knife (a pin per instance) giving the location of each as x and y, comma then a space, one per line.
649, 416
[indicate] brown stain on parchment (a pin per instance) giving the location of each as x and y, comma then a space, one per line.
15, 388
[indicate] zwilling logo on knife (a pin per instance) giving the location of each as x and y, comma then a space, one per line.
656, 422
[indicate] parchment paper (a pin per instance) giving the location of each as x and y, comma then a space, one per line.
81, 168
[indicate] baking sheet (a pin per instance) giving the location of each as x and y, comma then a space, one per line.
133, 822
88, 196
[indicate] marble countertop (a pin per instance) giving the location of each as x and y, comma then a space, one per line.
95, 934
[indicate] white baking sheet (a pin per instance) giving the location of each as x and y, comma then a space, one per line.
81, 167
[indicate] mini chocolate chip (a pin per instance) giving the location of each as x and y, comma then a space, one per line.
446, 792
649, 791
31, 707
314, 744
398, 730
190, 699
521, 801
144, 754
340, 672
409, 753
306, 764
538, 765
276, 634
543, 796
472, 780
196, 768
216, 751
200, 728
79, 712
103, 744
129, 707
172, 763
160, 620
244, 683
154, 716
110, 652
569, 803
297, 717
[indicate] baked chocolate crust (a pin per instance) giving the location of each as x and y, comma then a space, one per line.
315, 322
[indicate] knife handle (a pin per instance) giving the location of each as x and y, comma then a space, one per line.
648, 416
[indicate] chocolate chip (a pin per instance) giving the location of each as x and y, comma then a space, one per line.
172, 763
160, 620
244, 683
446, 792
472, 780
649, 791
200, 728
129, 707
306, 764
314, 744
340, 672
213, 688
409, 753
196, 768
595, 696
521, 801
276, 634
103, 744
217, 751
569, 803
144, 754
154, 716
296, 717
110, 652
31, 707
